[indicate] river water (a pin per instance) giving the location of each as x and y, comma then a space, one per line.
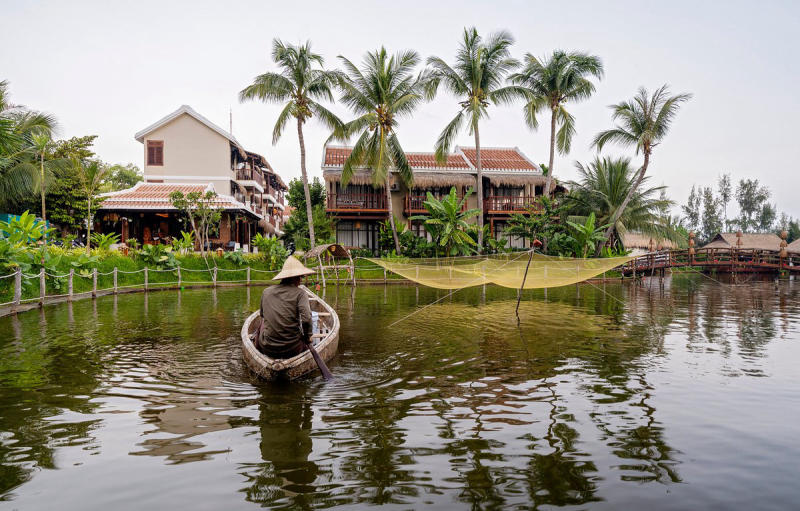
685, 396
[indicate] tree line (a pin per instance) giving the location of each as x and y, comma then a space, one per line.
706, 210
385, 88
59, 179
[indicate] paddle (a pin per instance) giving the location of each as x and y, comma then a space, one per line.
326, 373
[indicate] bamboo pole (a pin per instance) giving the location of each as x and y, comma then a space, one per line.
522, 286
17, 287
42, 288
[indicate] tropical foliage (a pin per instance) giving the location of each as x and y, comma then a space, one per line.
476, 78
380, 93
447, 223
200, 212
301, 84
602, 189
296, 228
550, 83
642, 123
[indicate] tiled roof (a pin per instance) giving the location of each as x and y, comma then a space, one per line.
336, 156
498, 158
504, 158
155, 196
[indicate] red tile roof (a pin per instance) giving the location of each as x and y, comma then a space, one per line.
155, 196
336, 156
506, 158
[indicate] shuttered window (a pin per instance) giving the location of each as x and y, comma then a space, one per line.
155, 152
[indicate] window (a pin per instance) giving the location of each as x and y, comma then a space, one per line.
155, 152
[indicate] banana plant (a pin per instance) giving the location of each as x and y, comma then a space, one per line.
446, 222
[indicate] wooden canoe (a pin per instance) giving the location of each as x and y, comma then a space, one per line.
295, 367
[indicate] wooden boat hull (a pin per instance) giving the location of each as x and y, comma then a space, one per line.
291, 368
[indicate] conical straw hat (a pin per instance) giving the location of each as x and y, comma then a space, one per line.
292, 268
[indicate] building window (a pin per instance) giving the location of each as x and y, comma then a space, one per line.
155, 152
358, 234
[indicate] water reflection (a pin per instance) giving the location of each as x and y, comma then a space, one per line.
596, 398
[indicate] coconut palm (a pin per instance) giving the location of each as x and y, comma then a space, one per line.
476, 78
381, 92
91, 175
643, 123
18, 126
560, 78
603, 187
301, 83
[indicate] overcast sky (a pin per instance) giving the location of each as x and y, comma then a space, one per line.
112, 68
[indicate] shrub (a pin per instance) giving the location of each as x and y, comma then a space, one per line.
103, 242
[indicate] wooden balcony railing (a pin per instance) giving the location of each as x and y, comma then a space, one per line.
507, 204
356, 202
251, 175
415, 203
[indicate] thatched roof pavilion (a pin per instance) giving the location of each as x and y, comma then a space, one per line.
794, 247
727, 240
636, 240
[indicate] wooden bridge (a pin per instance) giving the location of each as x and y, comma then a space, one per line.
724, 260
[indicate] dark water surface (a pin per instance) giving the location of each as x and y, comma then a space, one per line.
636, 398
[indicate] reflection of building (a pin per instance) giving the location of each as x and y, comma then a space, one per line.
511, 184
187, 152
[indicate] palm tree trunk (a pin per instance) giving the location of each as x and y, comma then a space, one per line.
306, 190
89, 227
41, 187
391, 214
621, 208
480, 186
549, 182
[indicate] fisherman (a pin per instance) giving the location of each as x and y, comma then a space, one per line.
285, 313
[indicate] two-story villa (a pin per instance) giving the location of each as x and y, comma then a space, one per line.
187, 152
511, 184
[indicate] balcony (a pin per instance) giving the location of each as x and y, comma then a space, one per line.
250, 177
507, 205
415, 203
356, 202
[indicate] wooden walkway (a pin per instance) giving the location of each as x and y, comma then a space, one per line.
708, 259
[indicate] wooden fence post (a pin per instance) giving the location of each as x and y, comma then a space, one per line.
145, 278
214, 276
248, 275
69, 284
42, 288
94, 283
384, 275
179, 276
17, 287
115, 280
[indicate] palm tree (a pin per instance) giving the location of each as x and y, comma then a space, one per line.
644, 122
301, 83
603, 186
550, 83
380, 93
91, 175
476, 78
18, 126
447, 222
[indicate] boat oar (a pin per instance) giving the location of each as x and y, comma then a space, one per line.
326, 373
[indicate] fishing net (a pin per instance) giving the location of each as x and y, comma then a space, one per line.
507, 270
